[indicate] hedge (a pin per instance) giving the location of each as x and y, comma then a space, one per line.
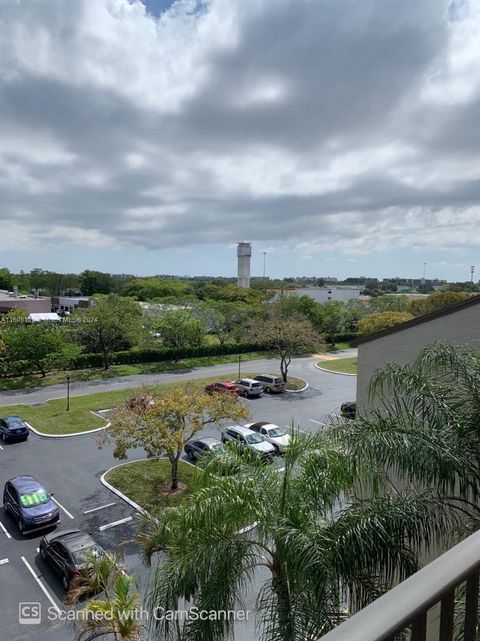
346, 337
159, 355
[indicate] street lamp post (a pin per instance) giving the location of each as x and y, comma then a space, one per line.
239, 367
472, 270
68, 392
264, 256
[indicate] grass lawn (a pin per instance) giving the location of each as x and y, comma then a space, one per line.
142, 482
342, 365
54, 378
295, 383
52, 417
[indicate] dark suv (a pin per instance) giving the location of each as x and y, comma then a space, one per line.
29, 504
13, 428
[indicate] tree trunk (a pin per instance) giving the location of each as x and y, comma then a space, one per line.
42, 369
284, 368
174, 474
284, 609
106, 364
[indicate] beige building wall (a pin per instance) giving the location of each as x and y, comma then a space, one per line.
461, 327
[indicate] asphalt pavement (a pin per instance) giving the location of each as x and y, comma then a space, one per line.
72, 467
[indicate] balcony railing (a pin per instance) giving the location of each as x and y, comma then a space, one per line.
449, 584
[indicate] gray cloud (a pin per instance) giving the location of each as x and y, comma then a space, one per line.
354, 123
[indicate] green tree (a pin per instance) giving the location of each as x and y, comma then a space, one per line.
436, 301
381, 320
93, 282
303, 529
116, 613
110, 323
145, 289
40, 344
6, 279
179, 329
163, 425
287, 335
333, 317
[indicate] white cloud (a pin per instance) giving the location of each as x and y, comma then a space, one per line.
269, 120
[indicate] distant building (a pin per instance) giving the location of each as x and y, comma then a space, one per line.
320, 294
69, 303
31, 304
244, 254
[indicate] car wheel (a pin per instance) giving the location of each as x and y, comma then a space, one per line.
65, 582
43, 554
268, 389
4, 437
190, 455
21, 526
277, 449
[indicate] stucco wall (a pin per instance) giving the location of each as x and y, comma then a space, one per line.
458, 328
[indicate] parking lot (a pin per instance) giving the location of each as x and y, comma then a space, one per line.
71, 468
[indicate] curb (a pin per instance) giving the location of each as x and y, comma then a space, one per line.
38, 433
297, 391
113, 489
331, 371
124, 497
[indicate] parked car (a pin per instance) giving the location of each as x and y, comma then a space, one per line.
272, 433
68, 552
223, 387
29, 504
271, 383
199, 446
248, 439
13, 428
249, 387
348, 410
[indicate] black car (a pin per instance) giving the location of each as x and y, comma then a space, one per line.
68, 552
199, 446
349, 410
13, 428
29, 504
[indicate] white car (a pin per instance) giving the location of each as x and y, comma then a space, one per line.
249, 439
272, 433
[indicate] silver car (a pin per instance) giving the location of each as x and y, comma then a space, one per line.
248, 439
249, 387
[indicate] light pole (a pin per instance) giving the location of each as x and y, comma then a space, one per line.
239, 367
472, 269
264, 256
68, 392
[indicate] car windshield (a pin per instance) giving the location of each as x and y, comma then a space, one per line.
253, 438
217, 447
37, 497
276, 432
256, 385
85, 554
16, 422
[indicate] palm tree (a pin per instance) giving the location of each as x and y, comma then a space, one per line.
324, 550
116, 616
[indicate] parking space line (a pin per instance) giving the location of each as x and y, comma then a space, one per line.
62, 508
5, 531
312, 420
40, 584
1, 448
101, 507
297, 429
115, 523
3, 561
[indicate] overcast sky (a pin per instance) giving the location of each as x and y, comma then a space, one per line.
340, 136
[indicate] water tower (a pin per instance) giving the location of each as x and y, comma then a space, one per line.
244, 253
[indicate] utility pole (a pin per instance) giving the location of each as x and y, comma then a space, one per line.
264, 255
472, 269
68, 392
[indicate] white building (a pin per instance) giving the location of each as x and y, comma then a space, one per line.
320, 294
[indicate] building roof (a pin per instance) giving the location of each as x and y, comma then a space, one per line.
445, 311
45, 316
